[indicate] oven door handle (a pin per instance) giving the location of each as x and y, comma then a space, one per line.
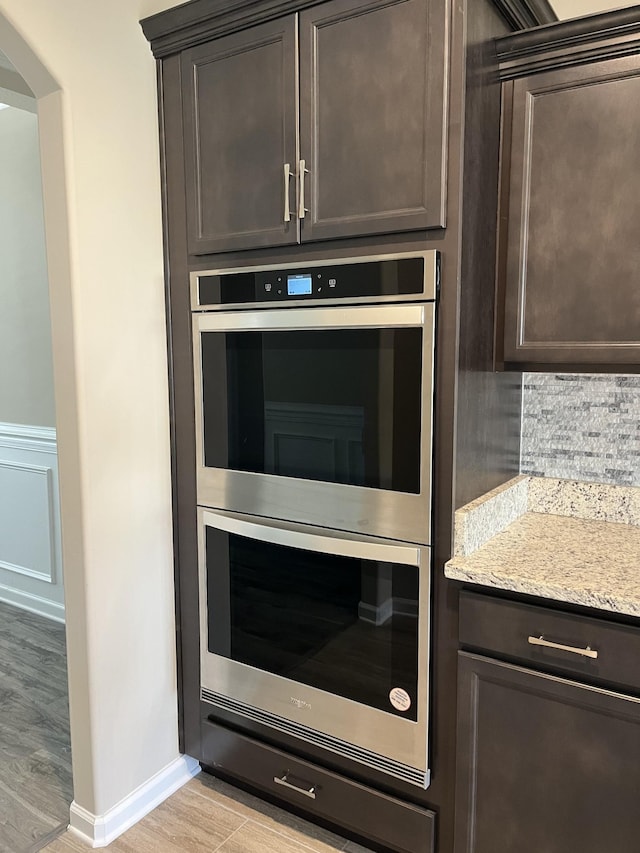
292, 535
360, 317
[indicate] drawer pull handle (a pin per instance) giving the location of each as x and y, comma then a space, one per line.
284, 781
540, 641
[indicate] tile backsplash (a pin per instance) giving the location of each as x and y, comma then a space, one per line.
581, 427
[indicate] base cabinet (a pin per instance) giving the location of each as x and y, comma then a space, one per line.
545, 764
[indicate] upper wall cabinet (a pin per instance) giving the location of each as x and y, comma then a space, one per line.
570, 217
241, 143
324, 124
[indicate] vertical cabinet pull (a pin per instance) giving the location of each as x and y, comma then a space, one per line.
302, 171
540, 641
287, 178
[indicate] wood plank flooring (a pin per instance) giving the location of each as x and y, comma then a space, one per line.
35, 751
209, 816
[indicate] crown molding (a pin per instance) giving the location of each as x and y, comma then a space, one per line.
590, 39
203, 20
524, 14
199, 21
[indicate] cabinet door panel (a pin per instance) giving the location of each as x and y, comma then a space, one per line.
240, 129
372, 121
545, 765
574, 217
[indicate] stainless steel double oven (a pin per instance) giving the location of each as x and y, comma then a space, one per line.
314, 412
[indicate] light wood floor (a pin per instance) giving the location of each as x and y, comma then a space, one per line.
209, 816
35, 751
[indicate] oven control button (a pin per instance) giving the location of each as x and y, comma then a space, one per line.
332, 282
267, 287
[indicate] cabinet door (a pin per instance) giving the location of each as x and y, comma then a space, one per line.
240, 129
372, 116
545, 765
573, 244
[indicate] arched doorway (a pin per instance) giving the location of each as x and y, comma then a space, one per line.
36, 771
102, 204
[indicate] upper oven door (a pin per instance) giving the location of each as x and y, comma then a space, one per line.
319, 415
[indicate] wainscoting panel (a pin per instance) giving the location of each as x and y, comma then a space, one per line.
30, 547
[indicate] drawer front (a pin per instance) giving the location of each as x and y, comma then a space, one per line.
397, 825
595, 649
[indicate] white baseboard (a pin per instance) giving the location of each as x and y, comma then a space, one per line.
101, 830
32, 602
378, 614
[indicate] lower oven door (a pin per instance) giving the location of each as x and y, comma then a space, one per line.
320, 634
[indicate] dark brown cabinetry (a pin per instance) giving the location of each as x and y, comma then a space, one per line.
388, 93
545, 762
328, 123
240, 112
372, 116
395, 824
570, 218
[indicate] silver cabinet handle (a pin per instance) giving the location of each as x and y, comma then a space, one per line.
302, 171
540, 641
287, 178
306, 792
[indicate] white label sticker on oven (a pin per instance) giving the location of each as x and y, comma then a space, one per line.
400, 699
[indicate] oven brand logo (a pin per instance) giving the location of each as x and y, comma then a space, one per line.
300, 703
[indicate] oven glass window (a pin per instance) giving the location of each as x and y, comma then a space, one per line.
340, 405
343, 625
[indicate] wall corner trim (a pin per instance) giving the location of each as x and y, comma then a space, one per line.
101, 830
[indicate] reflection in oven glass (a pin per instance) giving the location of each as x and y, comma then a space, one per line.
343, 625
338, 405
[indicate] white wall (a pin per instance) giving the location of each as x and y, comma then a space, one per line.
578, 8
102, 207
26, 373
30, 554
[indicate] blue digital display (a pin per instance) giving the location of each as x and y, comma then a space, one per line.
299, 285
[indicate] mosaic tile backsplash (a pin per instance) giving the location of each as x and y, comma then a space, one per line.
581, 427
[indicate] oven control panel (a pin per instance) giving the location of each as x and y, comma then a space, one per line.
408, 278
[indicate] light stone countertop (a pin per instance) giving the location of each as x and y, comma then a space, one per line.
557, 539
